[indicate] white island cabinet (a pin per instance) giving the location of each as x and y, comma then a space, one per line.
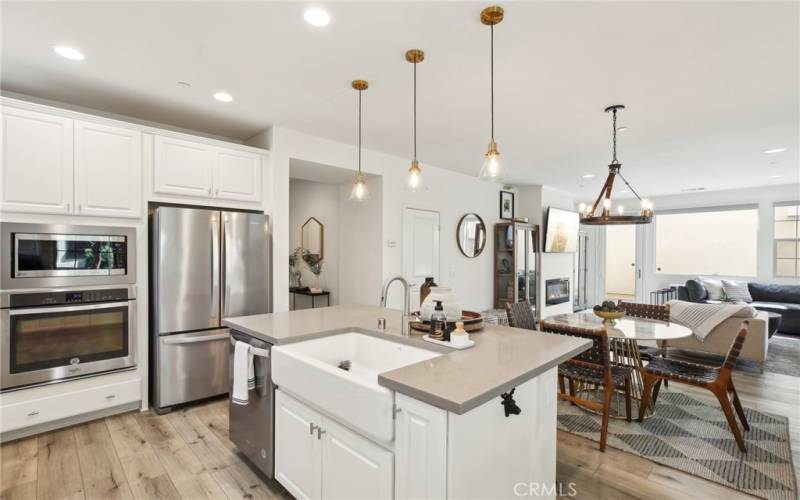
436, 454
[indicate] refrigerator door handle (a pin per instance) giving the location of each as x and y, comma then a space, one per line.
194, 340
214, 268
227, 295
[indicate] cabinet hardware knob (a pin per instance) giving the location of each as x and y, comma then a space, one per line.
311, 428
397, 410
320, 432
33, 413
111, 396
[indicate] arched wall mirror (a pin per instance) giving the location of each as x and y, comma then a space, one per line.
312, 238
471, 235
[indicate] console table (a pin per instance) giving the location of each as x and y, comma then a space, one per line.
313, 297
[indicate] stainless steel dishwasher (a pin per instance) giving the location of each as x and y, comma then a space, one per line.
252, 427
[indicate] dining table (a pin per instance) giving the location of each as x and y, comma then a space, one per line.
624, 335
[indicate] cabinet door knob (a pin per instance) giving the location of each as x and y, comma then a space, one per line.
311, 428
111, 396
320, 432
33, 413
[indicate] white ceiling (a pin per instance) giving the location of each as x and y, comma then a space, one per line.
708, 86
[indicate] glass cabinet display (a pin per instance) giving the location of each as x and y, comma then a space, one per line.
515, 248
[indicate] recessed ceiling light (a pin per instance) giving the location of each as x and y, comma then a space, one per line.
184, 85
223, 96
773, 151
775, 176
69, 52
622, 129
588, 176
316, 16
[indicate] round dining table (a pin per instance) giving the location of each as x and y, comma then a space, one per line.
624, 334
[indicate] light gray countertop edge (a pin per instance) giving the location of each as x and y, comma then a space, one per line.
470, 404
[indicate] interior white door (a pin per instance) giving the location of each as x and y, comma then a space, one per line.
237, 175
298, 455
182, 167
108, 170
420, 450
353, 467
420, 249
621, 267
37, 162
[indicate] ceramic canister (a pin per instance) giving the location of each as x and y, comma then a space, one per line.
452, 309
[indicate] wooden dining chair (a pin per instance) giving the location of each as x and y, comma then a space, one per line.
520, 315
592, 366
658, 312
718, 380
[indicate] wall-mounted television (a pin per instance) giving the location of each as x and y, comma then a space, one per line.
561, 231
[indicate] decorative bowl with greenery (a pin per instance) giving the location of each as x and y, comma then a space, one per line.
609, 310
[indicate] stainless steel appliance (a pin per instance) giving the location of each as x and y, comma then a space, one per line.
65, 256
204, 265
48, 335
251, 426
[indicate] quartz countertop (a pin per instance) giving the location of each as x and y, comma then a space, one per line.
457, 381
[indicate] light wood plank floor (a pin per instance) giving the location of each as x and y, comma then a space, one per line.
186, 454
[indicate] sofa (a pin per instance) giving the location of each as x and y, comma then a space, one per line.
719, 340
783, 299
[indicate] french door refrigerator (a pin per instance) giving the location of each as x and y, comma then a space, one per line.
205, 265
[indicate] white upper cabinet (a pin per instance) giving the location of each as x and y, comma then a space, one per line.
37, 162
183, 167
108, 170
237, 175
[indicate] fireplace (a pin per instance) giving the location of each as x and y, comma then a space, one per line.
556, 291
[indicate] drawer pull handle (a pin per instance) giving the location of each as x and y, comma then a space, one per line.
111, 396
33, 413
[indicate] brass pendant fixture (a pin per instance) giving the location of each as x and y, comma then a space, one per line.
493, 168
414, 180
645, 215
359, 191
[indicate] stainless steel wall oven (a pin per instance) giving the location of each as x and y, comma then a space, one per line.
50, 335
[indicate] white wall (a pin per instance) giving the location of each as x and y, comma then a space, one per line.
321, 201
533, 202
361, 237
764, 197
451, 194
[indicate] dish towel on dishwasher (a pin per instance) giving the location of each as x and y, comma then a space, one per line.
244, 377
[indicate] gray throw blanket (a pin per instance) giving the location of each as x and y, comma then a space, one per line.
702, 318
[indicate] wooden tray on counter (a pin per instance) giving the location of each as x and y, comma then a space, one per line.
473, 322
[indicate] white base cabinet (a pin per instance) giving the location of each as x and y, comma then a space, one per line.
437, 454
317, 458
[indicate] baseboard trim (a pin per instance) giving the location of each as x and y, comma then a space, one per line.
67, 422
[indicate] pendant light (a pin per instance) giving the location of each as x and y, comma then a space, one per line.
645, 215
359, 191
493, 168
414, 181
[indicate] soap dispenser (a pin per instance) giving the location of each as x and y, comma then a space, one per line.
438, 321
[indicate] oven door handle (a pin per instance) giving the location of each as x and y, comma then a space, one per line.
58, 309
192, 340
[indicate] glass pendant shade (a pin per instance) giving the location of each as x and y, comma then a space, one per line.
414, 180
493, 168
360, 192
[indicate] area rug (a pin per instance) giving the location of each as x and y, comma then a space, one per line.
692, 436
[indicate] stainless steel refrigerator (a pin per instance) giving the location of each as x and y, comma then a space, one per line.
205, 265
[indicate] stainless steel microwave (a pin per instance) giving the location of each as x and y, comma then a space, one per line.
61, 255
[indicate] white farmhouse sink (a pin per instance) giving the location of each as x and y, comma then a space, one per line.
310, 370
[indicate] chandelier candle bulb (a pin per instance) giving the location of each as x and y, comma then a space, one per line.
620, 210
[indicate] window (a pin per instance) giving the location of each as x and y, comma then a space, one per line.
787, 240
707, 241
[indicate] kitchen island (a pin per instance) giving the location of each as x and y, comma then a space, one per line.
450, 434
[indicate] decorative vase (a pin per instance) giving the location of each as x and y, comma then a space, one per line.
425, 289
452, 309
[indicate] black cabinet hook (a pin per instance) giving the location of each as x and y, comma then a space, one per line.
509, 405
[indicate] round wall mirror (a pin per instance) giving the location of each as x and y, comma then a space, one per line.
471, 235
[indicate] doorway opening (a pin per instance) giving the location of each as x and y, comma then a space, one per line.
621, 262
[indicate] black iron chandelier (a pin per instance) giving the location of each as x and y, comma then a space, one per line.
605, 217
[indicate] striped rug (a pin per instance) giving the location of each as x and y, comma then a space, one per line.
692, 436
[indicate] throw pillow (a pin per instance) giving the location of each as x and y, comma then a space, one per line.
714, 287
736, 291
696, 291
